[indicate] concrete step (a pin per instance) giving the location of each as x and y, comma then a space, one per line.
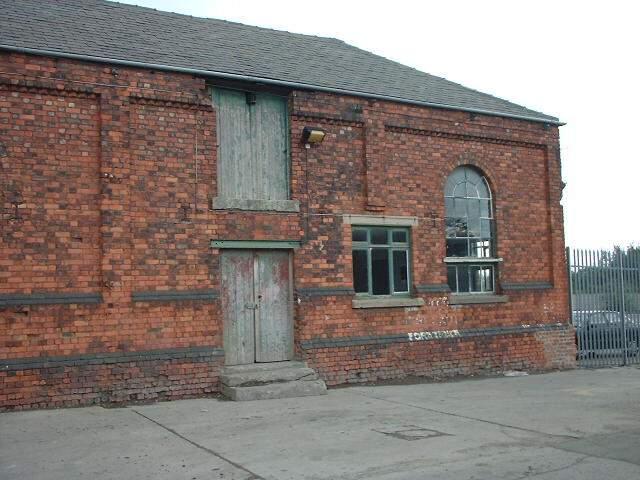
258, 381
250, 378
297, 388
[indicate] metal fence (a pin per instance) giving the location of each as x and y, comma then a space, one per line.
605, 304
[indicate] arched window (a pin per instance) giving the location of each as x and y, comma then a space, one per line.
470, 232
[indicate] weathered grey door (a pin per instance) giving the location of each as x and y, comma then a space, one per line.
256, 306
274, 328
237, 270
253, 139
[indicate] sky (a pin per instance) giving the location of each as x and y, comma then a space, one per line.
578, 61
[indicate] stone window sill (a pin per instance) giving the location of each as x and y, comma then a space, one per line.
471, 299
387, 302
219, 203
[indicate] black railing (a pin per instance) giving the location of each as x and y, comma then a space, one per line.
605, 304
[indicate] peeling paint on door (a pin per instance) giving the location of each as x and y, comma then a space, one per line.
256, 305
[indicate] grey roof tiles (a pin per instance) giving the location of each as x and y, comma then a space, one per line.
115, 31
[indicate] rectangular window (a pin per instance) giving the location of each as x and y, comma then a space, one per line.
253, 139
380, 260
464, 278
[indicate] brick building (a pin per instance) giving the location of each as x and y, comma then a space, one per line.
168, 208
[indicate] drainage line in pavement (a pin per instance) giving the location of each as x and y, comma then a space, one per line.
254, 476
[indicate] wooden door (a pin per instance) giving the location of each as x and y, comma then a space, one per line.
237, 270
274, 328
253, 144
256, 306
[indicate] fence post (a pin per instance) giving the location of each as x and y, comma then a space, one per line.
623, 325
568, 254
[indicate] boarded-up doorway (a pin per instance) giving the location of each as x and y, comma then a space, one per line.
256, 306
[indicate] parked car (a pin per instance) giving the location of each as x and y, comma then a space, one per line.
600, 333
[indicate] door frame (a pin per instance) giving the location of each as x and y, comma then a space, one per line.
255, 245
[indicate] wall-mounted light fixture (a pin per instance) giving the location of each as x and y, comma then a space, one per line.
312, 135
251, 98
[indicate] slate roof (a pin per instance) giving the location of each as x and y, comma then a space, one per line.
114, 31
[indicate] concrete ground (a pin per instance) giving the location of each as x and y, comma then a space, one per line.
583, 424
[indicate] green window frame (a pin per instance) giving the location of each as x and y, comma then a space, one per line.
470, 232
381, 259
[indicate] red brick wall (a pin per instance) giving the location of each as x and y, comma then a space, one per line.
486, 355
113, 170
113, 382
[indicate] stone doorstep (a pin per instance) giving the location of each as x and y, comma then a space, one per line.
298, 388
261, 377
270, 380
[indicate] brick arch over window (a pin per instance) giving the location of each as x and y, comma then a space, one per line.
470, 231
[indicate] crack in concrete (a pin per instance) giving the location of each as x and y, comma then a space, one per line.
592, 455
575, 463
457, 415
253, 476
502, 425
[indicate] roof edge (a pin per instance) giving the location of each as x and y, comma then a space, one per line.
270, 81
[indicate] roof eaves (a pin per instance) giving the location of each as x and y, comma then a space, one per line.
271, 81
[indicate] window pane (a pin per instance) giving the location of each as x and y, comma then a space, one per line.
449, 209
379, 236
450, 227
472, 191
481, 279
449, 186
485, 208
360, 271
461, 226
457, 247
483, 189
358, 235
460, 190
473, 222
451, 278
472, 175
400, 271
463, 279
380, 271
459, 207
480, 248
489, 280
399, 236
458, 175
485, 228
